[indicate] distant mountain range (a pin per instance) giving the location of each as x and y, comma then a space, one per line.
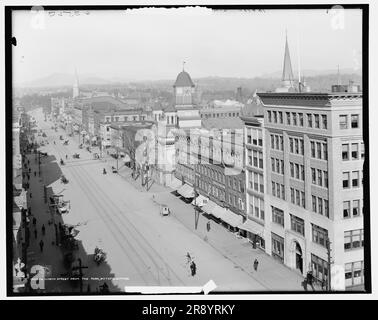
318, 81
313, 73
63, 80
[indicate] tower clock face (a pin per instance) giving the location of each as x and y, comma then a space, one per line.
187, 91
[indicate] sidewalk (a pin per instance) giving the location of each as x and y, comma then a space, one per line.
51, 256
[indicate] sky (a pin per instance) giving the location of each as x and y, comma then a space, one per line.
151, 44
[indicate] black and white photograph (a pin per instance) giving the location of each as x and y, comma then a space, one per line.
187, 150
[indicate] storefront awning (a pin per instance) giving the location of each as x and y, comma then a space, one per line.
200, 201
175, 183
209, 207
231, 218
252, 227
186, 191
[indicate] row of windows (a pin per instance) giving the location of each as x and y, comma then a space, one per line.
256, 181
354, 151
320, 206
319, 150
319, 177
116, 119
318, 121
354, 273
297, 197
211, 189
220, 115
255, 159
351, 179
236, 201
297, 171
313, 121
257, 208
277, 165
345, 124
278, 190
254, 136
213, 174
356, 211
296, 145
276, 142
353, 239
236, 184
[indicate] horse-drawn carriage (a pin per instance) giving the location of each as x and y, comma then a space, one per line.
65, 142
76, 156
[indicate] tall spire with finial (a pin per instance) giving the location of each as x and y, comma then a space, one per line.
75, 92
287, 72
183, 66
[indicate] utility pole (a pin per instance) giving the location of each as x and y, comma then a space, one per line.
328, 244
80, 268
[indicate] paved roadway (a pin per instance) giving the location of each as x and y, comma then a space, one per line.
143, 248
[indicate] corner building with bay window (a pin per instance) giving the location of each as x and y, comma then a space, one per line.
313, 158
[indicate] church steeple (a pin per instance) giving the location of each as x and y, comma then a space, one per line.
75, 92
287, 72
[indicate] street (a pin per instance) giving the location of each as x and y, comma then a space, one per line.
143, 248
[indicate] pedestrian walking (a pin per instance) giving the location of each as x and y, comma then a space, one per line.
255, 264
35, 173
43, 230
193, 268
208, 226
29, 211
35, 233
66, 157
30, 195
310, 280
41, 244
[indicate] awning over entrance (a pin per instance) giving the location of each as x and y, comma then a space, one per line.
175, 184
252, 227
200, 201
186, 191
231, 218
209, 207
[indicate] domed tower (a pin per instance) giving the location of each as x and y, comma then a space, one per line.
184, 89
187, 112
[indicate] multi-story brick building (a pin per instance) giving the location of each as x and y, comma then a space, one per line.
314, 187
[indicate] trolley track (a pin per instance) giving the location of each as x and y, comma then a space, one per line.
137, 237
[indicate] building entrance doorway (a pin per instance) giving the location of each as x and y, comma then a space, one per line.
298, 257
